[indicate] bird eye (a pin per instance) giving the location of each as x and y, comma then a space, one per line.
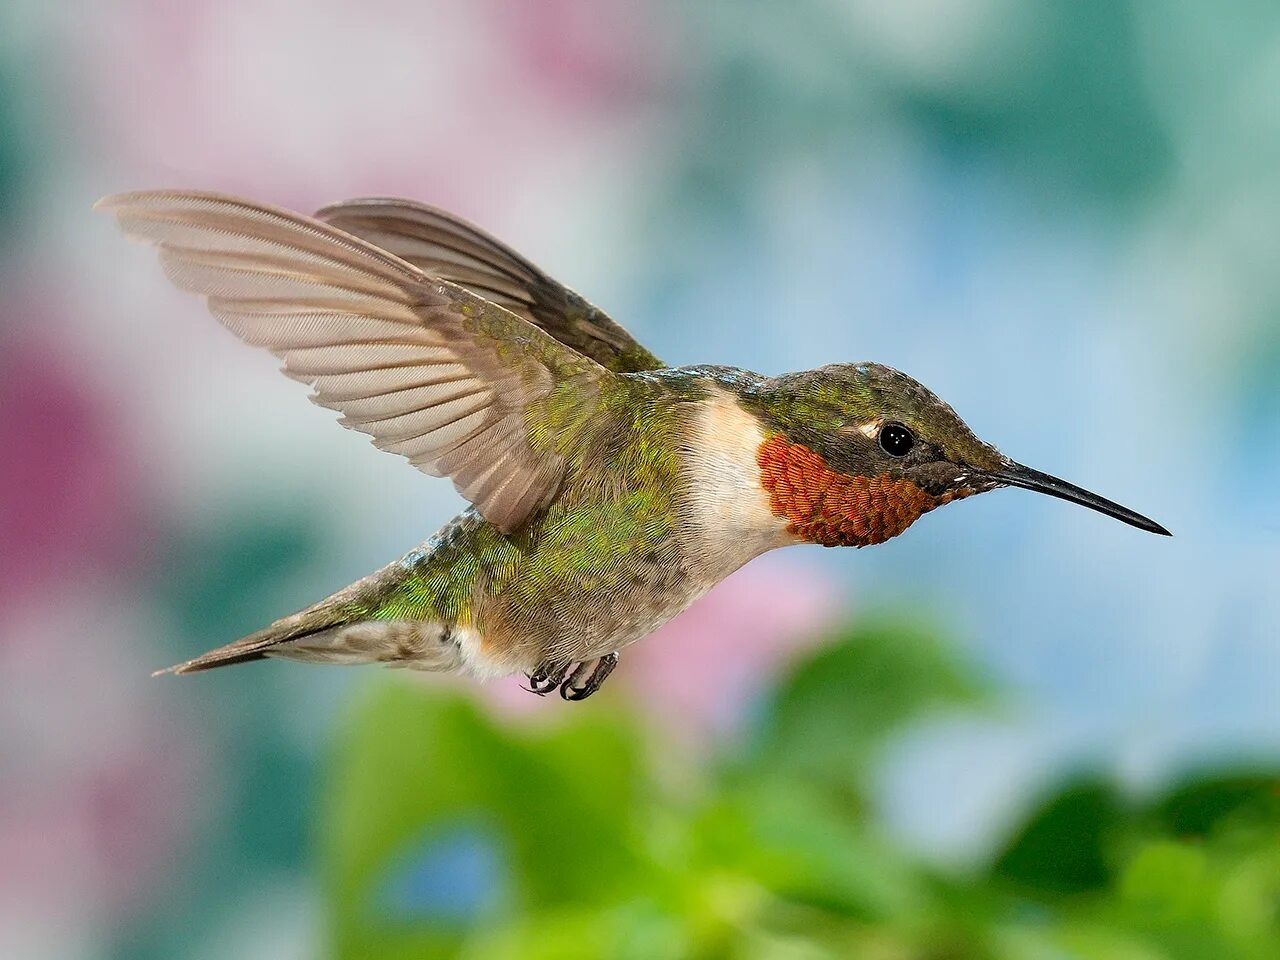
896, 440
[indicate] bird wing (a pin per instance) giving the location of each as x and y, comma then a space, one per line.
448, 247
457, 384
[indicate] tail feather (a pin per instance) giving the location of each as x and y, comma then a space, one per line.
256, 645
345, 629
419, 644
222, 657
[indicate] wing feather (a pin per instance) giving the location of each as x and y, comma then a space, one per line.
428, 369
446, 246
264, 326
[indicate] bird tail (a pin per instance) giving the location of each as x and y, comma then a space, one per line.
269, 641
418, 644
356, 625
364, 624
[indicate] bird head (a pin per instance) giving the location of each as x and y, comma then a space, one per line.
856, 453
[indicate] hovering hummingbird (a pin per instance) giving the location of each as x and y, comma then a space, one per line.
609, 491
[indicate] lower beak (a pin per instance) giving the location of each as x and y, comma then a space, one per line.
1016, 475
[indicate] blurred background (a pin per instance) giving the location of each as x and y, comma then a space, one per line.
1020, 732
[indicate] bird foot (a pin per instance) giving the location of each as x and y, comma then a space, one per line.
576, 681
587, 677
548, 676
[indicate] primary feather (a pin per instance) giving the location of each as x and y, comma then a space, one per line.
446, 246
430, 370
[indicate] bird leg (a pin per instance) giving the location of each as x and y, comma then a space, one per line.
587, 677
549, 675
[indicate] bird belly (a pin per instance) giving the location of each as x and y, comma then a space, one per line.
592, 610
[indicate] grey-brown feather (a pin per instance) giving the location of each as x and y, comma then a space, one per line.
444, 245
428, 369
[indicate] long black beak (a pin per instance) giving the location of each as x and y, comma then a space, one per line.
1019, 476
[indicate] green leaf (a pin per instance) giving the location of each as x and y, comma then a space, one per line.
634, 931
1089, 940
418, 767
805, 846
1168, 882
1199, 807
832, 716
1064, 846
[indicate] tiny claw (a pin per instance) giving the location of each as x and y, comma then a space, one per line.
595, 673
547, 677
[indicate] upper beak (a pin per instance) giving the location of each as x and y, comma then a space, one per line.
1016, 475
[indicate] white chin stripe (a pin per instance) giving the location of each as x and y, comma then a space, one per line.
726, 499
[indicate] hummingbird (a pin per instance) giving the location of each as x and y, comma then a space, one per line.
608, 491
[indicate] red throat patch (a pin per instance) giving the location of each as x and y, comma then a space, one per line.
835, 509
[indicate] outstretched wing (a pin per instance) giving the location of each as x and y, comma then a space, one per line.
444, 246
430, 370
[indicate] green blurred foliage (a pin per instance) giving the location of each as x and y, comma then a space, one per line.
214, 581
13, 144
1063, 847
1053, 95
1068, 107
831, 716
450, 834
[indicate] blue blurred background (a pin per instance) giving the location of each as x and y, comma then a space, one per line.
1019, 731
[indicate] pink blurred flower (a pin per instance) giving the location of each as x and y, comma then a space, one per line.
65, 485
601, 53
100, 792
471, 106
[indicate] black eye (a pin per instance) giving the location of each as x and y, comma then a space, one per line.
896, 440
